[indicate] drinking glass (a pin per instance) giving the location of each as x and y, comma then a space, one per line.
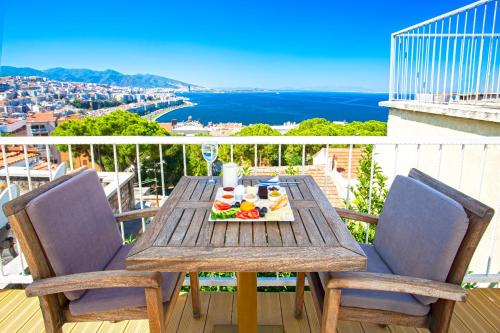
209, 153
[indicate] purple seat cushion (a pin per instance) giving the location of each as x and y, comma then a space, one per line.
380, 300
76, 226
419, 231
110, 299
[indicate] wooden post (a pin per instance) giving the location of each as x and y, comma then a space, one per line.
299, 294
154, 306
247, 302
195, 294
331, 309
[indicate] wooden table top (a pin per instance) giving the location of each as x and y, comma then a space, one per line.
180, 238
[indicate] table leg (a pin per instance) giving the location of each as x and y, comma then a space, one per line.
247, 302
247, 309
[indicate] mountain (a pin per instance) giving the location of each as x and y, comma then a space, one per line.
103, 77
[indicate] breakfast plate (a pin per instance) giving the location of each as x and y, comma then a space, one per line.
251, 204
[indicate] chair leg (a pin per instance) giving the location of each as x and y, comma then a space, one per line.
331, 309
52, 316
195, 294
299, 294
154, 306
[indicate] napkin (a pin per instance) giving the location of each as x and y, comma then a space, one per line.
270, 182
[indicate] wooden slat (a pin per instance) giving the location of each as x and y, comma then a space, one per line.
200, 219
189, 188
260, 259
291, 323
287, 235
338, 227
349, 327
232, 234
304, 189
324, 228
299, 232
182, 228
158, 223
310, 312
219, 234
487, 309
246, 234
259, 234
311, 228
169, 226
189, 324
207, 192
19, 315
267, 305
273, 234
198, 190
473, 319
219, 310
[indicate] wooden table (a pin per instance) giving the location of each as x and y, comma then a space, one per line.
180, 238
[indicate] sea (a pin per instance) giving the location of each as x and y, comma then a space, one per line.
277, 108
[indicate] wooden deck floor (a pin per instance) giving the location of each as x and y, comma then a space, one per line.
18, 313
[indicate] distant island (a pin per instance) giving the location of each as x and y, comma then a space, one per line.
108, 76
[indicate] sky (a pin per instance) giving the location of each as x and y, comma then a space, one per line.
271, 44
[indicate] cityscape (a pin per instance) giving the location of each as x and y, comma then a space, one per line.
250, 167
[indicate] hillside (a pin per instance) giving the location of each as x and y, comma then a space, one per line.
103, 77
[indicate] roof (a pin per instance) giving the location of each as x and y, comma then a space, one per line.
16, 153
341, 160
42, 117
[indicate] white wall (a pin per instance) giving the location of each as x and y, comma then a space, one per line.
405, 123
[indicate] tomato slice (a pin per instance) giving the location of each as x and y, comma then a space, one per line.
219, 205
242, 215
253, 214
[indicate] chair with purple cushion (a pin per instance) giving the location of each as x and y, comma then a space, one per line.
425, 238
74, 250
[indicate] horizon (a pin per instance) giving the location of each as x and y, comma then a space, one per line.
227, 46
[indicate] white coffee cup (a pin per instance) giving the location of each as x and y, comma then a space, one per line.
231, 174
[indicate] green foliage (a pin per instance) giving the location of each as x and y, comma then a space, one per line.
126, 124
322, 127
245, 154
292, 170
361, 202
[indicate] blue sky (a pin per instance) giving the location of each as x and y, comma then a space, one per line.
309, 44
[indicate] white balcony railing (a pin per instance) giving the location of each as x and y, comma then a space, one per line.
470, 165
452, 58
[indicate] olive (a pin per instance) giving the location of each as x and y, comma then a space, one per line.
264, 209
236, 204
262, 214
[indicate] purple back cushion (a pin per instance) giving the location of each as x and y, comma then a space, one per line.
76, 226
420, 231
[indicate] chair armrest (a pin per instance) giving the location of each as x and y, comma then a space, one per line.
353, 215
398, 283
136, 214
94, 280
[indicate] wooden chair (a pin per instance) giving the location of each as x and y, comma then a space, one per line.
408, 281
73, 248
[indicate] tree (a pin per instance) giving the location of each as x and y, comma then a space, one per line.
361, 202
127, 124
245, 154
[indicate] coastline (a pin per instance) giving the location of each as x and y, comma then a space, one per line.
153, 116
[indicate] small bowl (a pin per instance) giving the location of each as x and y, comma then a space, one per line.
227, 198
273, 187
275, 197
252, 190
250, 197
228, 190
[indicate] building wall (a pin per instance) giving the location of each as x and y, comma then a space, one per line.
405, 123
